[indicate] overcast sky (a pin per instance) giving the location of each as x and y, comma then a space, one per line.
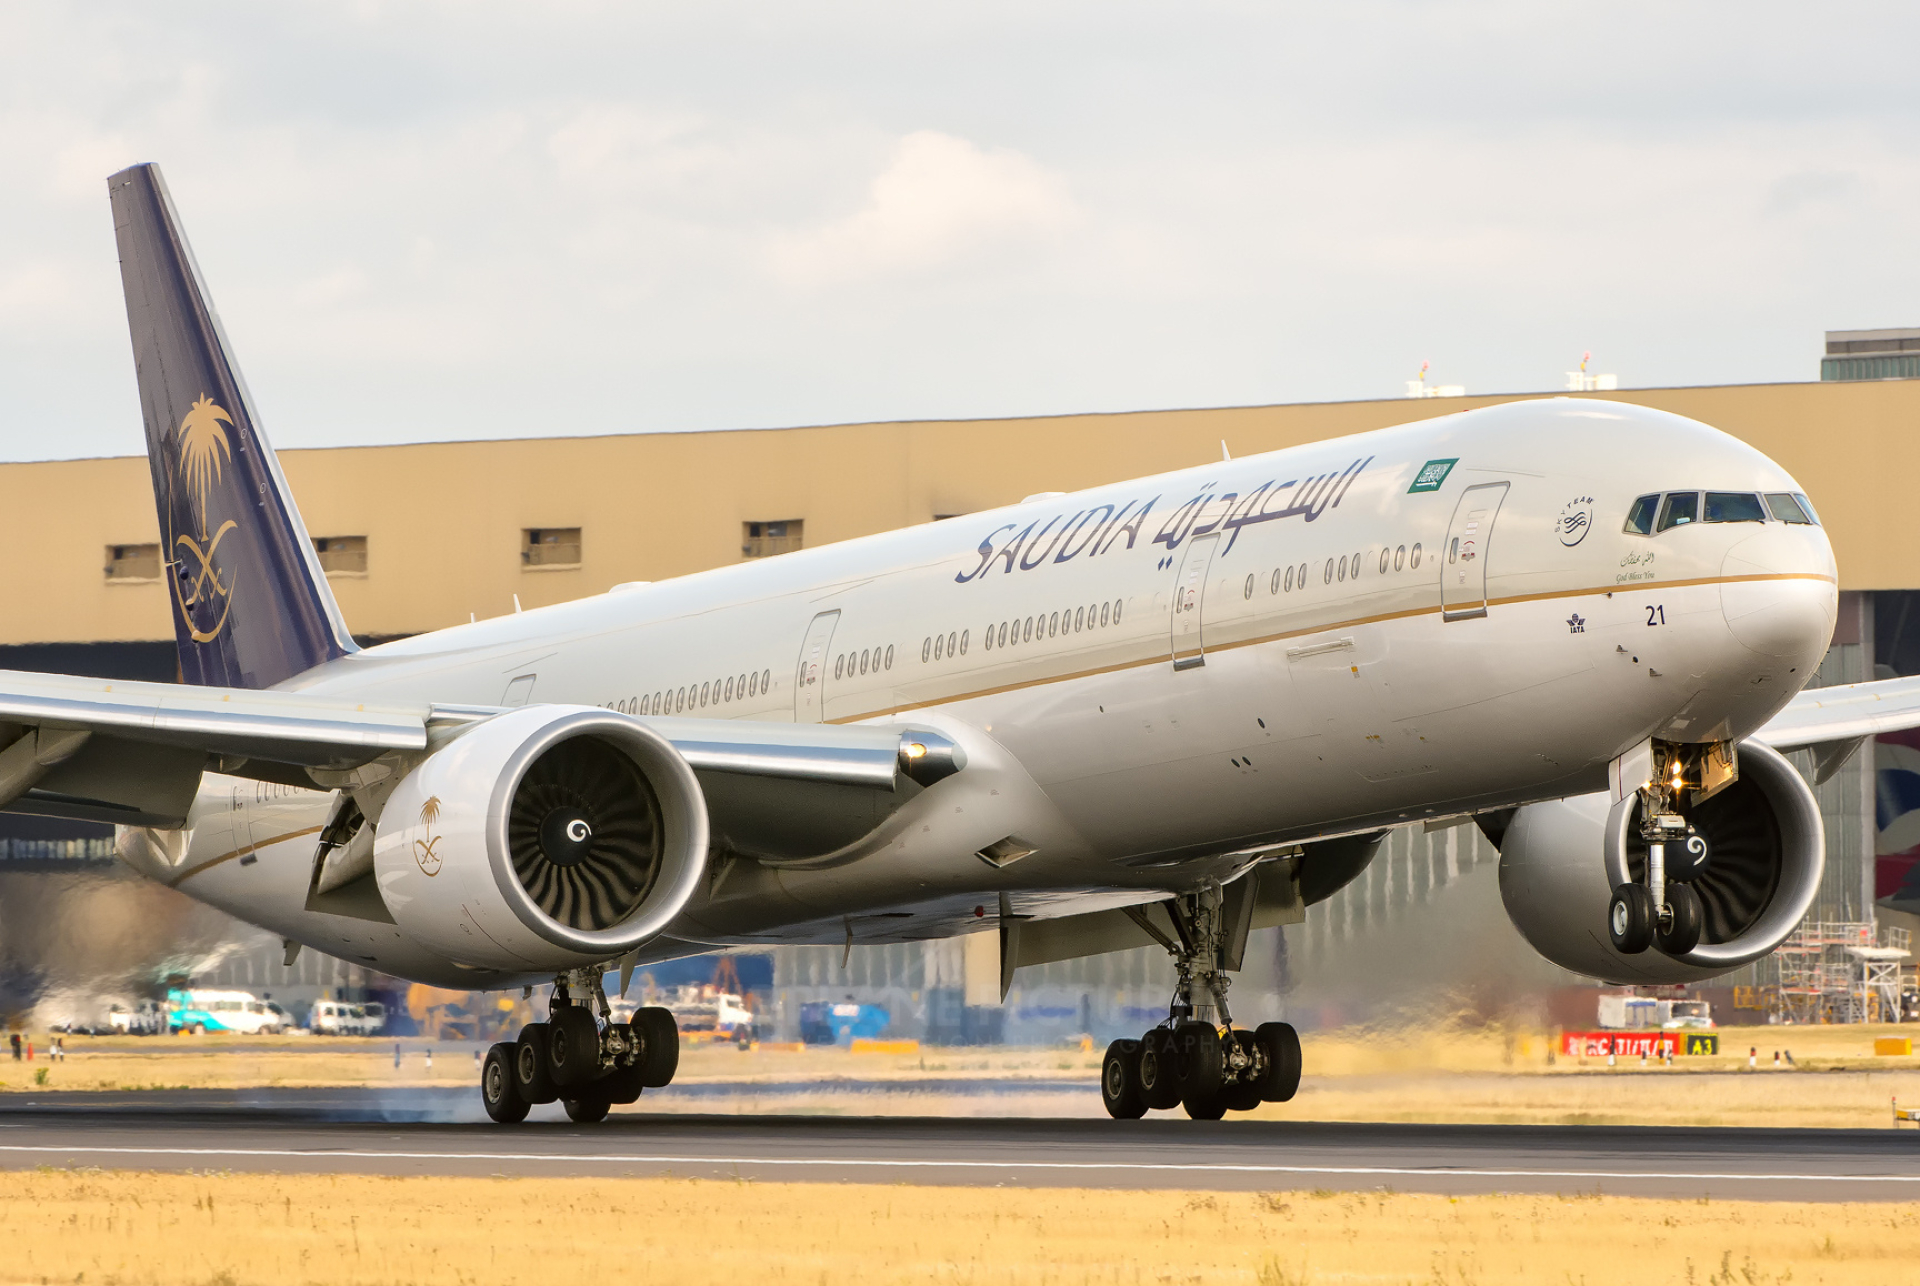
428, 221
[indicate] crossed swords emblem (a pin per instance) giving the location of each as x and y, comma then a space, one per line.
206, 584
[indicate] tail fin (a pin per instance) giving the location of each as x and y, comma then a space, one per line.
251, 606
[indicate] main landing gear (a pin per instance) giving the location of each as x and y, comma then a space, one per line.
1197, 1059
580, 1056
1664, 910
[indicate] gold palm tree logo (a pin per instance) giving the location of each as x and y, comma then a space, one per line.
430, 811
423, 849
204, 450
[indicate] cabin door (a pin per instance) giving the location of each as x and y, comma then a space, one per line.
1190, 601
1463, 564
810, 681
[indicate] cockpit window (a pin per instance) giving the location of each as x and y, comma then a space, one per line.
1786, 508
1806, 507
1640, 517
1682, 507
1734, 506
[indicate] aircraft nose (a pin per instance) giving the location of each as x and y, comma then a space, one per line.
1779, 593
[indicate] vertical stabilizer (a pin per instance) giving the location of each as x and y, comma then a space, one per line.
250, 604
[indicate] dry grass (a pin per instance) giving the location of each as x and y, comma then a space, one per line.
118, 1227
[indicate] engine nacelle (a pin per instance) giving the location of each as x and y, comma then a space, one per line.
543, 839
1560, 862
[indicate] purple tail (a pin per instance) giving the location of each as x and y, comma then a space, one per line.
251, 607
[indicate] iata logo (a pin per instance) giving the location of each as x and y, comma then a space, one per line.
423, 854
1575, 521
205, 597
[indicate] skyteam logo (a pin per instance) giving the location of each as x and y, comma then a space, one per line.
1576, 519
201, 585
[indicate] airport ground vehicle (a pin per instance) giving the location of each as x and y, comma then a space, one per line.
139, 1018
1632, 1013
347, 1018
200, 1011
1160, 711
825, 1022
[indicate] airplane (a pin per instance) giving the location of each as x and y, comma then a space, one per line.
1166, 711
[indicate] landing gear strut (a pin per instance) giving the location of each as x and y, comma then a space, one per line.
1663, 911
1196, 1059
580, 1056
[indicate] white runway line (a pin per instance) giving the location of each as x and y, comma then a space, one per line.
1156, 1167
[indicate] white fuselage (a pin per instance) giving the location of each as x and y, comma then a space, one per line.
1178, 669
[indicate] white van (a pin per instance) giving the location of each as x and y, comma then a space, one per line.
347, 1018
234, 1011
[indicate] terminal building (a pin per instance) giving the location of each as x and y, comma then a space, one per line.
419, 537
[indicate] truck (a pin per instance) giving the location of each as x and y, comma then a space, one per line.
1620, 1012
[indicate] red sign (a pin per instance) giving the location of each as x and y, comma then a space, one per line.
1625, 1044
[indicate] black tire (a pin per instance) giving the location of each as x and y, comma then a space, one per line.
1159, 1081
573, 1046
498, 1093
531, 1074
622, 1085
1682, 933
1630, 919
1279, 1043
1202, 1070
1120, 1081
659, 1045
586, 1111
1243, 1095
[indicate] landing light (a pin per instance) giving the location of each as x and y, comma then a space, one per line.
914, 750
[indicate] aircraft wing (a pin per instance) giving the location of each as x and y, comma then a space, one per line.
133, 752
1822, 716
1834, 722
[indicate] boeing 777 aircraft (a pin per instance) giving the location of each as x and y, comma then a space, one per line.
1166, 711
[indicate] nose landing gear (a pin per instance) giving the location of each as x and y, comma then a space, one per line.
1197, 1059
1663, 911
580, 1057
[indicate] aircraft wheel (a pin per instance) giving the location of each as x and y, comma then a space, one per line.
1202, 1070
622, 1084
585, 1111
1280, 1043
497, 1089
1120, 1081
659, 1045
1159, 1085
573, 1046
532, 1077
1242, 1095
1630, 919
1682, 933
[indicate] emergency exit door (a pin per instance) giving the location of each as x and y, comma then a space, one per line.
1190, 603
1463, 567
810, 679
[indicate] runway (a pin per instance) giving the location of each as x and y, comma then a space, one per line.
416, 1132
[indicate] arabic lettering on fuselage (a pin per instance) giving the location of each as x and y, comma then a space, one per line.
1094, 531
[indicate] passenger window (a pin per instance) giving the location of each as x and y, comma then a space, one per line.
839, 665
963, 641
1026, 631
1248, 591
1104, 606
1274, 588
1118, 603
1734, 506
926, 650
1079, 619
1326, 577
1640, 517
1343, 569
1301, 579
1682, 507
889, 656
1053, 625
1289, 582
1413, 556
1399, 557
1385, 554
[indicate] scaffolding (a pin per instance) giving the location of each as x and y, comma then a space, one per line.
1839, 971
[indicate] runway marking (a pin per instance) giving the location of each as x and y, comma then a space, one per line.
606, 1158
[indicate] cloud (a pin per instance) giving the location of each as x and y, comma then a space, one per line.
939, 199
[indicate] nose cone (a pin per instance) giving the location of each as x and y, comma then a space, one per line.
1779, 594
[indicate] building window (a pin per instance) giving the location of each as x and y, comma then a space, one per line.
133, 562
342, 555
765, 539
550, 547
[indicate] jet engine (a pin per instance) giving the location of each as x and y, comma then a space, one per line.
543, 839
1756, 865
